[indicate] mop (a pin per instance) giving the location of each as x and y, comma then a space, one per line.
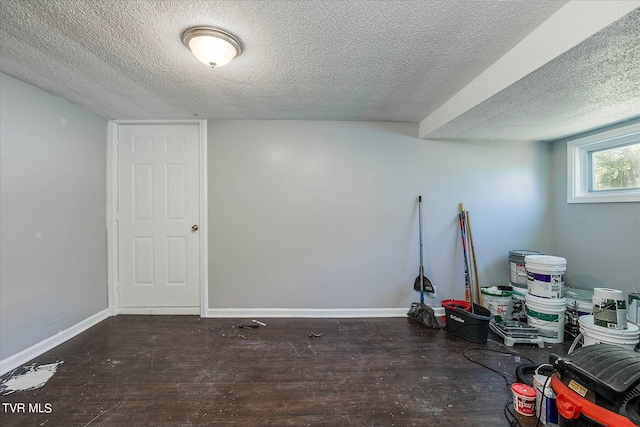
419, 311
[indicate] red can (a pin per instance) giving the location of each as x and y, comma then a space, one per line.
524, 399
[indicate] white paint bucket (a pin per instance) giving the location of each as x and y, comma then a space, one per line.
524, 399
546, 405
609, 308
547, 315
545, 275
498, 300
545, 401
594, 334
517, 268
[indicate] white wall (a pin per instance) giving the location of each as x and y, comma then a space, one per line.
52, 215
601, 241
324, 214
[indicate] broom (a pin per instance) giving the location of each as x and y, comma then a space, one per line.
419, 311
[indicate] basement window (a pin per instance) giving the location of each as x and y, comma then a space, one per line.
604, 166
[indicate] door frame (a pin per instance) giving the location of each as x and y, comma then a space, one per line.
112, 219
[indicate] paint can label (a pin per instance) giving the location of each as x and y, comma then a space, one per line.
609, 313
545, 285
518, 273
524, 399
546, 406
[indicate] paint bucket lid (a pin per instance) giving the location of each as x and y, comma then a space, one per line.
519, 293
549, 260
523, 390
519, 254
578, 294
497, 291
614, 294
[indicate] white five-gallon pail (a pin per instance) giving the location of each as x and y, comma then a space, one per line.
545, 275
547, 315
594, 334
498, 300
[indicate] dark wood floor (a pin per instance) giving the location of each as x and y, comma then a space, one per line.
188, 371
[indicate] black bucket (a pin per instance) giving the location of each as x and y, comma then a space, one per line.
472, 327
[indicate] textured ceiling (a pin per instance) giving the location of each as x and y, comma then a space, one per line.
592, 85
314, 60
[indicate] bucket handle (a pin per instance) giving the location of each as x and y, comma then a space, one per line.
544, 364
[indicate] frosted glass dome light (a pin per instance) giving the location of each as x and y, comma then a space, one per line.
211, 46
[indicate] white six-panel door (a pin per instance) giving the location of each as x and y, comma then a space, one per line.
159, 259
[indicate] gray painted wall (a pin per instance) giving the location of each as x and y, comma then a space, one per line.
324, 214
601, 241
301, 215
53, 252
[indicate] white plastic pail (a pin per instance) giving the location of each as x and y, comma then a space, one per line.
498, 301
545, 275
547, 315
594, 334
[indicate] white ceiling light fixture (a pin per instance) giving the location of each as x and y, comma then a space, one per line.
212, 46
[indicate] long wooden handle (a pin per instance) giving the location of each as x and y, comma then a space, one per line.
473, 257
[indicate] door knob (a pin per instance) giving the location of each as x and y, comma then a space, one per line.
194, 227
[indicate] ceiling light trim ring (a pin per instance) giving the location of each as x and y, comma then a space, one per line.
190, 33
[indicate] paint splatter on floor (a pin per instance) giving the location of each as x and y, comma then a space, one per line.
28, 378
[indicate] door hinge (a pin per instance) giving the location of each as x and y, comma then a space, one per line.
118, 216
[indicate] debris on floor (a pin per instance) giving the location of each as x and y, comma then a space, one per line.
312, 335
248, 326
28, 378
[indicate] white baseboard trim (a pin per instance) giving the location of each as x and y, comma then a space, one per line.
188, 311
26, 355
306, 312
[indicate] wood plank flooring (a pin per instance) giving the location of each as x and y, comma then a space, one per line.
188, 371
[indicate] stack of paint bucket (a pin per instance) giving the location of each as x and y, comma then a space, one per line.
608, 324
518, 278
545, 304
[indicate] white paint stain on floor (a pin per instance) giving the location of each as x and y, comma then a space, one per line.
28, 378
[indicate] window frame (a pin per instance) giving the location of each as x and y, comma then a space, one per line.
579, 168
